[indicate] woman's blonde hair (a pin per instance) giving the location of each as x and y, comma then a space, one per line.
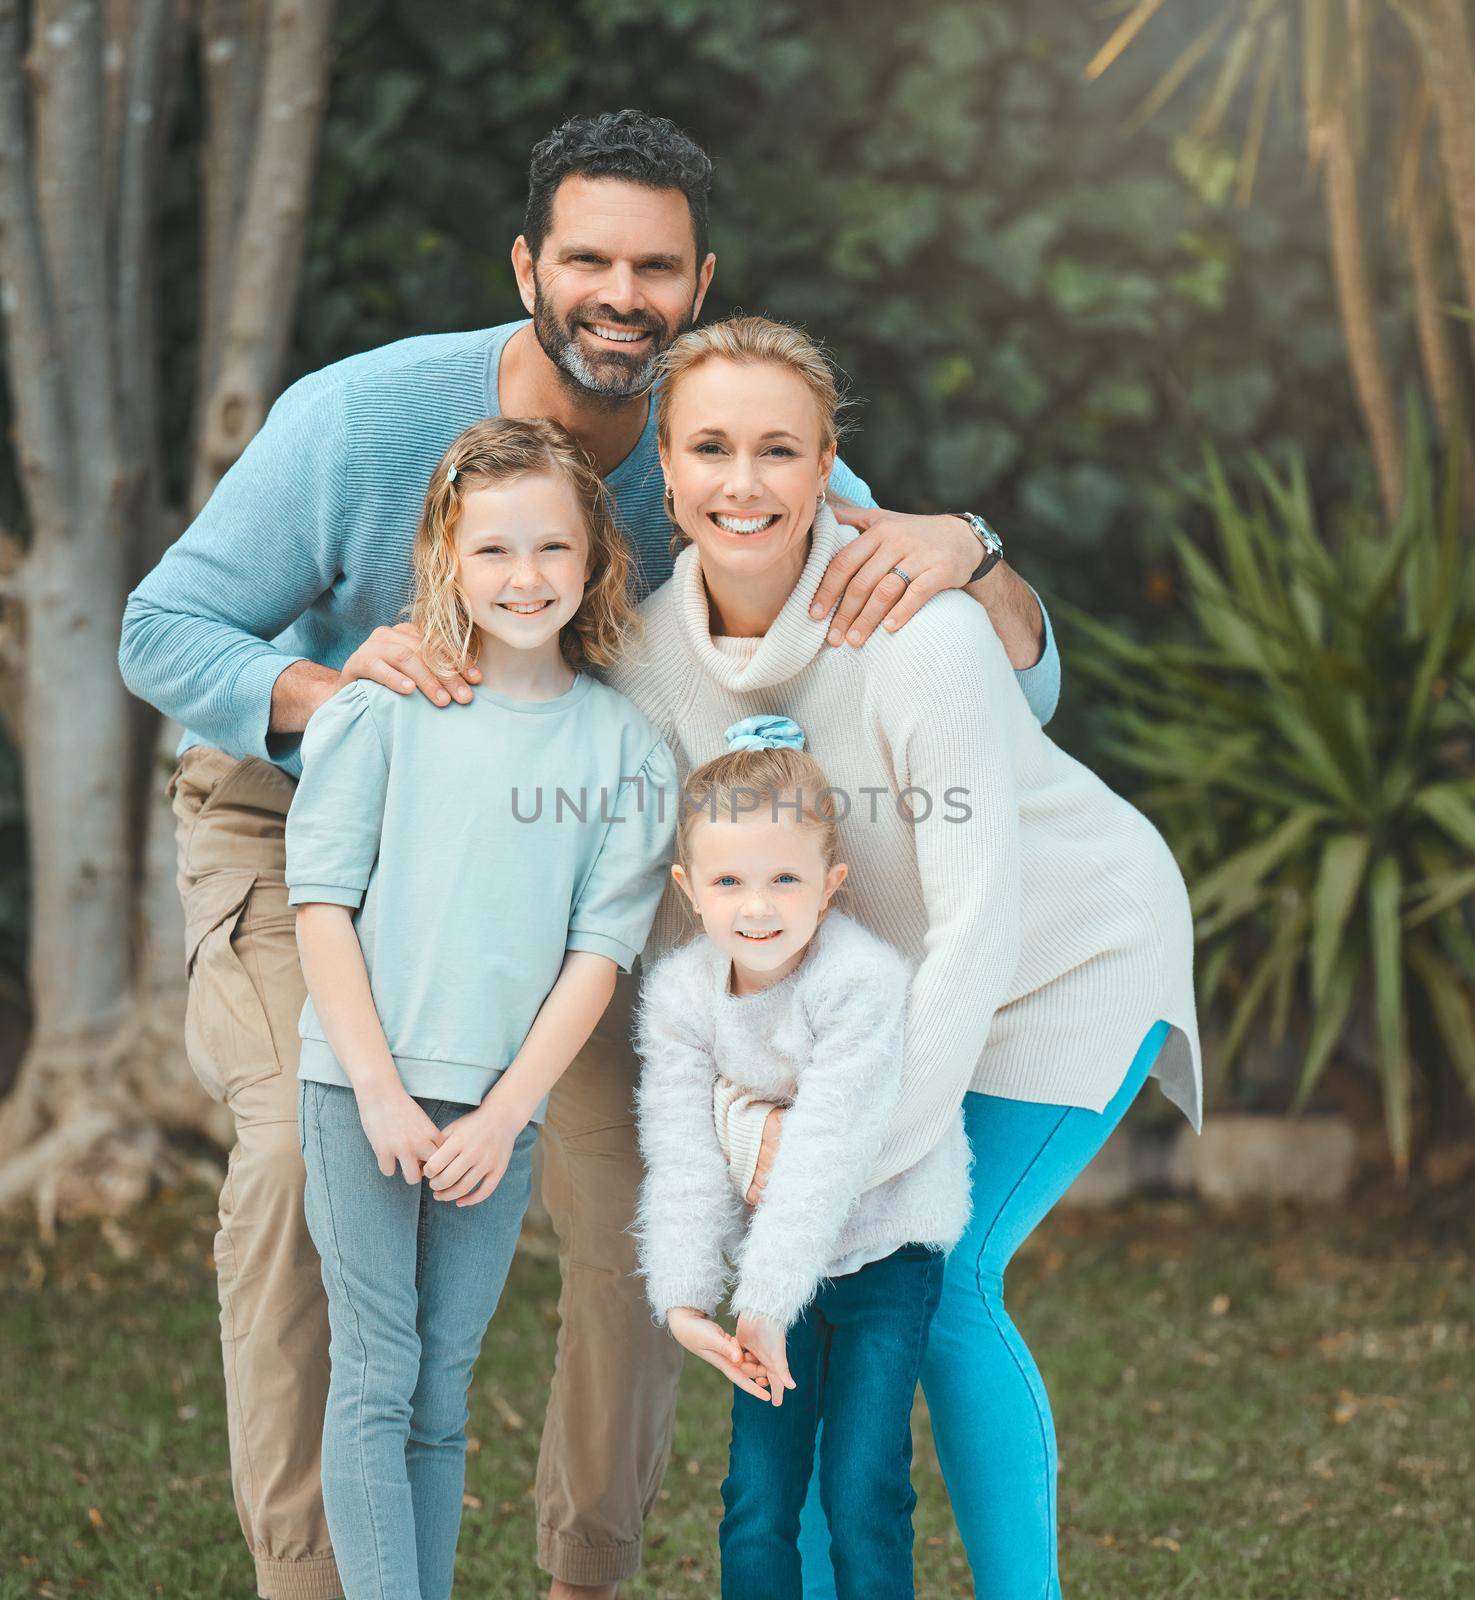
767, 782
499, 450
750, 341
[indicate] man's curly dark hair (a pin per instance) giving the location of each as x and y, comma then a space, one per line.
632, 145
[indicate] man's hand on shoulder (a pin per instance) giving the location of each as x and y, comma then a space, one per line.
392, 656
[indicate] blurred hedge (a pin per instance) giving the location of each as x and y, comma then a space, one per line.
1043, 316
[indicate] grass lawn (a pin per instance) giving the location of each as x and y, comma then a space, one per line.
1261, 1405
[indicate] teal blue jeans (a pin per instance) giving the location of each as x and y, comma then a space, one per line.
412, 1283
854, 1356
990, 1413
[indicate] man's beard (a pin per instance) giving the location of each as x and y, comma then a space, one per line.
608, 376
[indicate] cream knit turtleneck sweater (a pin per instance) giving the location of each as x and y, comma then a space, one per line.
1046, 918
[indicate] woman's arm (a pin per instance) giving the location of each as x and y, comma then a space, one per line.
741, 1117
952, 740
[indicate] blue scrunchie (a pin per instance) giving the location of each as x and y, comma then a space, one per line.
765, 733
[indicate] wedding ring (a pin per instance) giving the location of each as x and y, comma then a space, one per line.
905, 577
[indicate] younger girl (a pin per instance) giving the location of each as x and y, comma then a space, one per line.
468, 879
783, 999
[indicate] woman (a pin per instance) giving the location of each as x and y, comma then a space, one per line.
1049, 921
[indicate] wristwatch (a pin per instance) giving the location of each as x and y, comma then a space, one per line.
993, 545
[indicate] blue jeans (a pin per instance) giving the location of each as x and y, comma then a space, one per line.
855, 1355
412, 1283
990, 1414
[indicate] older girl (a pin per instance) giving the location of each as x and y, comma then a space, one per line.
468, 882
1048, 921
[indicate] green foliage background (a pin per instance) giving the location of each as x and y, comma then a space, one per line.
1042, 316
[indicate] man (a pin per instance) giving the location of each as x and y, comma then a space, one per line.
284, 589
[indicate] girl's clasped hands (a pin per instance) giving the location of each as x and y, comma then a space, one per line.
754, 1358
464, 1161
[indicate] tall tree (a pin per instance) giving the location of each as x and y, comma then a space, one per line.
87, 90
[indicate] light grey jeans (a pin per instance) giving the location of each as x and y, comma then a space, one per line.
412, 1283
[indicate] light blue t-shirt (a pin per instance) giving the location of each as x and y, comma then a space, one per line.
477, 843
304, 548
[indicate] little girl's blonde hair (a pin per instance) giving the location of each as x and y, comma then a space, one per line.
760, 783
499, 450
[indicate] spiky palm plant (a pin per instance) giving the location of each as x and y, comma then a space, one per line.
1311, 757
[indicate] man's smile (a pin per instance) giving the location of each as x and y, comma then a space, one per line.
607, 333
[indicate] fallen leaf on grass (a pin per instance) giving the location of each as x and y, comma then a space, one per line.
1349, 1404
1162, 1542
513, 1419
95, 1517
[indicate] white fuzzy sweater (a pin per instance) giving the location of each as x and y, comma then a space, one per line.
1050, 928
827, 1041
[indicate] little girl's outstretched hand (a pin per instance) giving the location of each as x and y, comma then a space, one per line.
398, 1129
765, 1339
697, 1332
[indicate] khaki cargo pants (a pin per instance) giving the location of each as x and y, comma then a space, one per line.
607, 1436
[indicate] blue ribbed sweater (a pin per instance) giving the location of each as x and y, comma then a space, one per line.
304, 548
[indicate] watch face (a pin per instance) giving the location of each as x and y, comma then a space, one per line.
991, 541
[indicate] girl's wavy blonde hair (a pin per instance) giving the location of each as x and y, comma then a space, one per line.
746, 783
499, 450
749, 341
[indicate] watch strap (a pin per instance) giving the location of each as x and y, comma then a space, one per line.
993, 552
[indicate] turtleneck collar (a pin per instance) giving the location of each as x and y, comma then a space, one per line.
793, 638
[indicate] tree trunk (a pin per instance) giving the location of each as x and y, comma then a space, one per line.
83, 136
232, 43
1356, 309
273, 228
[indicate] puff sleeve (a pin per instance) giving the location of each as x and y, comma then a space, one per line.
617, 902
337, 815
